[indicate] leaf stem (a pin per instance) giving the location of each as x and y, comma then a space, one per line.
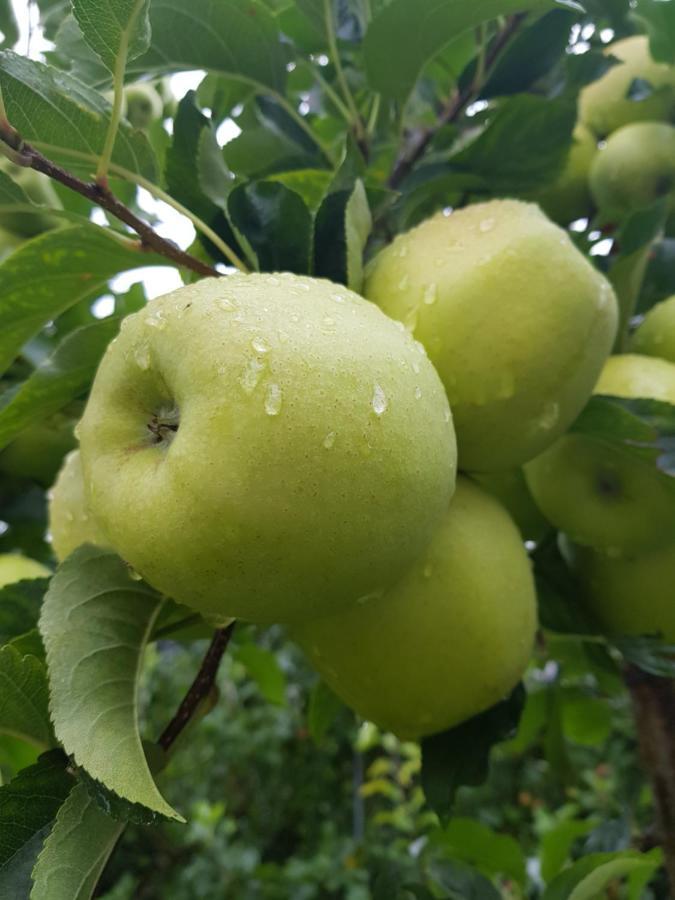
339, 71
330, 92
116, 114
200, 687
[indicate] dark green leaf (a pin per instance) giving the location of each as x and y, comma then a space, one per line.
20, 605
642, 228
324, 707
461, 756
463, 881
477, 845
649, 654
63, 376
558, 592
264, 669
24, 698
8, 25
588, 877
659, 19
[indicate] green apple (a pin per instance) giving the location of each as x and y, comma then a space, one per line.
449, 640
656, 334
70, 522
606, 105
510, 488
270, 447
634, 169
600, 495
38, 451
40, 190
569, 196
629, 595
142, 104
14, 567
516, 320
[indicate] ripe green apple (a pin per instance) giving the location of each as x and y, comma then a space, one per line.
142, 104
634, 169
629, 595
270, 447
40, 190
569, 196
37, 452
600, 495
14, 567
605, 105
70, 522
656, 334
516, 320
510, 488
446, 642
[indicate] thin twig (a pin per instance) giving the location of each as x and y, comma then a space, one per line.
457, 103
27, 155
200, 687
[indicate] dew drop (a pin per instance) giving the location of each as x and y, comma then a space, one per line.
403, 251
430, 292
260, 345
302, 286
415, 366
251, 374
410, 322
549, 417
338, 298
379, 401
77, 431
156, 320
226, 304
273, 400
329, 440
403, 283
420, 348
486, 225
399, 325
428, 570
142, 357
446, 415
373, 595
283, 337
418, 393
272, 280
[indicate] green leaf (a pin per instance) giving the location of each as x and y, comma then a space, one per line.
586, 720
275, 223
28, 806
53, 272
481, 847
324, 707
65, 375
113, 27
587, 878
412, 32
24, 697
460, 756
524, 146
358, 224
232, 37
264, 669
462, 881
67, 120
8, 25
95, 623
558, 592
659, 19
20, 605
76, 850
556, 844
649, 654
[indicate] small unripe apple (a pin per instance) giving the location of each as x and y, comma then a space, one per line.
40, 190
446, 642
634, 169
269, 447
37, 452
656, 334
569, 196
70, 522
510, 488
516, 320
142, 104
15, 567
606, 104
630, 595
600, 495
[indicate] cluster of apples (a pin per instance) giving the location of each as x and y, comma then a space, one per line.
277, 448
623, 155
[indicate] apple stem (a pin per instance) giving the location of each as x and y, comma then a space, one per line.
653, 700
200, 688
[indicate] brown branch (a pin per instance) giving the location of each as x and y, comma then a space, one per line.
654, 710
200, 687
25, 154
456, 105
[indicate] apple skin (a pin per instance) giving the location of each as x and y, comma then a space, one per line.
630, 595
38, 451
656, 334
600, 496
569, 197
604, 105
314, 454
14, 567
40, 190
70, 522
449, 640
142, 105
634, 169
510, 488
515, 319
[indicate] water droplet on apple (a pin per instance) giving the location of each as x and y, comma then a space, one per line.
403, 283
379, 401
410, 322
156, 320
430, 293
260, 345
273, 280
373, 595
418, 393
283, 336
486, 225
226, 304
403, 251
415, 366
273, 400
421, 349
142, 357
549, 417
251, 375
338, 298
329, 440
